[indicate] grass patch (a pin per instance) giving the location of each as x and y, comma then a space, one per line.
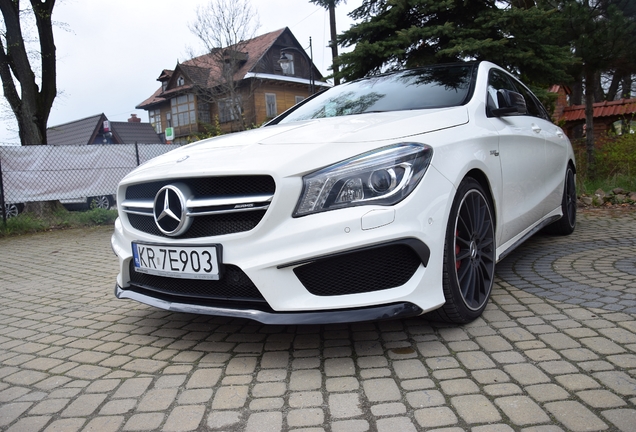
615, 164
26, 223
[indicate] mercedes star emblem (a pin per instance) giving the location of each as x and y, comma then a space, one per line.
170, 210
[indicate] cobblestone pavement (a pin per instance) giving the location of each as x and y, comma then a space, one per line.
554, 351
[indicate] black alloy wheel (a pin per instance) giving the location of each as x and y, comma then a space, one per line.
469, 254
567, 223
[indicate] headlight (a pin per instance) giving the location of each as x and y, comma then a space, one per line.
383, 177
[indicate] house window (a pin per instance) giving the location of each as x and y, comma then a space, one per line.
183, 112
299, 99
270, 105
155, 120
290, 68
229, 110
203, 110
180, 81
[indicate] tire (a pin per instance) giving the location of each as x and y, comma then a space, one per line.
469, 255
12, 210
101, 201
567, 223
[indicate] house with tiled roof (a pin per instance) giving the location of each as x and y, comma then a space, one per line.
242, 85
617, 116
98, 129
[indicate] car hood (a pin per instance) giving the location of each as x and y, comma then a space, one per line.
299, 147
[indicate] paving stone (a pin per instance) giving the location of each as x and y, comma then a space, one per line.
425, 398
223, 419
575, 416
11, 411
241, 366
65, 425
408, 369
623, 419
144, 422
350, 426
132, 387
435, 417
601, 399
547, 392
230, 397
381, 390
446, 374
388, 409
526, 374
344, 405
402, 424
204, 378
522, 410
339, 367
475, 360
104, 424
305, 380
29, 424
342, 384
158, 399
305, 417
459, 386
269, 389
575, 382
475, 409
266, 404
184, 418
84, 405
617, 381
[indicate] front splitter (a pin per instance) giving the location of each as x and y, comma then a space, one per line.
372, 313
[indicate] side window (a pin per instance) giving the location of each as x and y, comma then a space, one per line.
533, 105
497, 81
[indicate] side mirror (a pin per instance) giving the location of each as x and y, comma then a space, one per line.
509, 102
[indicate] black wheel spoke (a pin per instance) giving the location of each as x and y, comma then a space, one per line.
474, 254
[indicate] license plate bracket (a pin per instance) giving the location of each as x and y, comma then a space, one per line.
178, 261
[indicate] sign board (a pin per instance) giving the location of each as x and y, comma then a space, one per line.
169, 134
106, 126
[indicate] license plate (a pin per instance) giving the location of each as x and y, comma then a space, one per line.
184, 262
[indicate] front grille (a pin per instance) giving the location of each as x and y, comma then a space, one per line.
204, 226
208, 186
211, 222
234, 285
361, 271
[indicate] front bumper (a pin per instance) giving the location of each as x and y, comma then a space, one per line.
292, 263
374, 313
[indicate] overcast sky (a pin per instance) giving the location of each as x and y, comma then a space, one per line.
111, 52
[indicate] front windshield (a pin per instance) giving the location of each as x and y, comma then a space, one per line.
432, 87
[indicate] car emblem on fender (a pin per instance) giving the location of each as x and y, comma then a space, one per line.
170, 210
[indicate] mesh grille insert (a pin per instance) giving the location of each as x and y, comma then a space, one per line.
233, 285
206, 187
359, 272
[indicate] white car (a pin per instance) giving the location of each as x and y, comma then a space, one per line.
386, 197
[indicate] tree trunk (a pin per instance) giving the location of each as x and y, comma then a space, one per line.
32, 105
334, 42
589, 121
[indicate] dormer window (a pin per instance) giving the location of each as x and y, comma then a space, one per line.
286, 62
164, 85
180, 81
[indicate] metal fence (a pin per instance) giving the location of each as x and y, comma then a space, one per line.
70, 174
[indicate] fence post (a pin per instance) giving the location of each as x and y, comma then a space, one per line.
4, 209
137, 152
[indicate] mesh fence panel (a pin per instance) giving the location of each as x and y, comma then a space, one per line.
69, 173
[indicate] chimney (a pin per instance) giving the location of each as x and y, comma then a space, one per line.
134, 119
